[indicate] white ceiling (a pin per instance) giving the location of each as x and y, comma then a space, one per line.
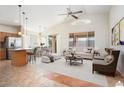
44, 16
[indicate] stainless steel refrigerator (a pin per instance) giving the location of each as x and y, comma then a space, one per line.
12, 43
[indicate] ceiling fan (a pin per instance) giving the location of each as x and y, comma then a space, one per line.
71, 13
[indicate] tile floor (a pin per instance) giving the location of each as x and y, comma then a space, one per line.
33, 76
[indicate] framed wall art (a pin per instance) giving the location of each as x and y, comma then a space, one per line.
118, 33
122, 32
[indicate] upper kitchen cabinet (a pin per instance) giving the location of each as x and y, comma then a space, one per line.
11, 35
6, 34
2, 36
14, 34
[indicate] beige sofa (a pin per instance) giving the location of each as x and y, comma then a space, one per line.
86, 53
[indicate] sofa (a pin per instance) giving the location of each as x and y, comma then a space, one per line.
86, 53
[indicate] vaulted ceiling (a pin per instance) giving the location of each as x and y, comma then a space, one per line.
44, 16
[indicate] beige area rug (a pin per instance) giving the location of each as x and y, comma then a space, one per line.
80, 71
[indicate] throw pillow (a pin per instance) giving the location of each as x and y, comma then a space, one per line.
109, 59
85, 50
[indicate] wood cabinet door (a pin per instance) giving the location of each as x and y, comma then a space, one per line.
12, 34
2, 54
6, 34
0, 36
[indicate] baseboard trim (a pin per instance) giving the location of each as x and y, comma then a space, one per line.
120, 74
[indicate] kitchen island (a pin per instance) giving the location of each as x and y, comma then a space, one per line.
18, 57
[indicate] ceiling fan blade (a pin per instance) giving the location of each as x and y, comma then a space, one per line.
74, 16
62, 14
77, 12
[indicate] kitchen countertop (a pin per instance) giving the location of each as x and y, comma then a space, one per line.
20, 49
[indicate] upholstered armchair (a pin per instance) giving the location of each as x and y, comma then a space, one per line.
46, 55
108, 65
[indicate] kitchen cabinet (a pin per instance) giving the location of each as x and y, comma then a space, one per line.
11, 35
2, 35
6, 34
15, 35
2, 53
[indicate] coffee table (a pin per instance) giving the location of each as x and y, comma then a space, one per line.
74, 58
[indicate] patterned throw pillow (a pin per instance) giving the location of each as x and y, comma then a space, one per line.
109, 59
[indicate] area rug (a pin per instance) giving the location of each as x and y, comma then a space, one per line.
80, 71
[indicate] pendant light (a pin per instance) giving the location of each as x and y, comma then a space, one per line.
23, 19
20, 25
26, 21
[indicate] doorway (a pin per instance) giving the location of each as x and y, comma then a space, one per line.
53, 43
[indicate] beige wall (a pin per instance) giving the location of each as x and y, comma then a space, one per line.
26, 39
99, 25
5, 28
116, 14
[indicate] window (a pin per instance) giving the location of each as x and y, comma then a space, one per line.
71, 42
83, 39
33, 41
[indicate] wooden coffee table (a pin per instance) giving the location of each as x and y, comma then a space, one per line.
73, 59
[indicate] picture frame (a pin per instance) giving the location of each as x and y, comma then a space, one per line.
122, 31
118, 33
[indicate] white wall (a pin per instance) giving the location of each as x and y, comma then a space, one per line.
4, 28
99, 24
116, 13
